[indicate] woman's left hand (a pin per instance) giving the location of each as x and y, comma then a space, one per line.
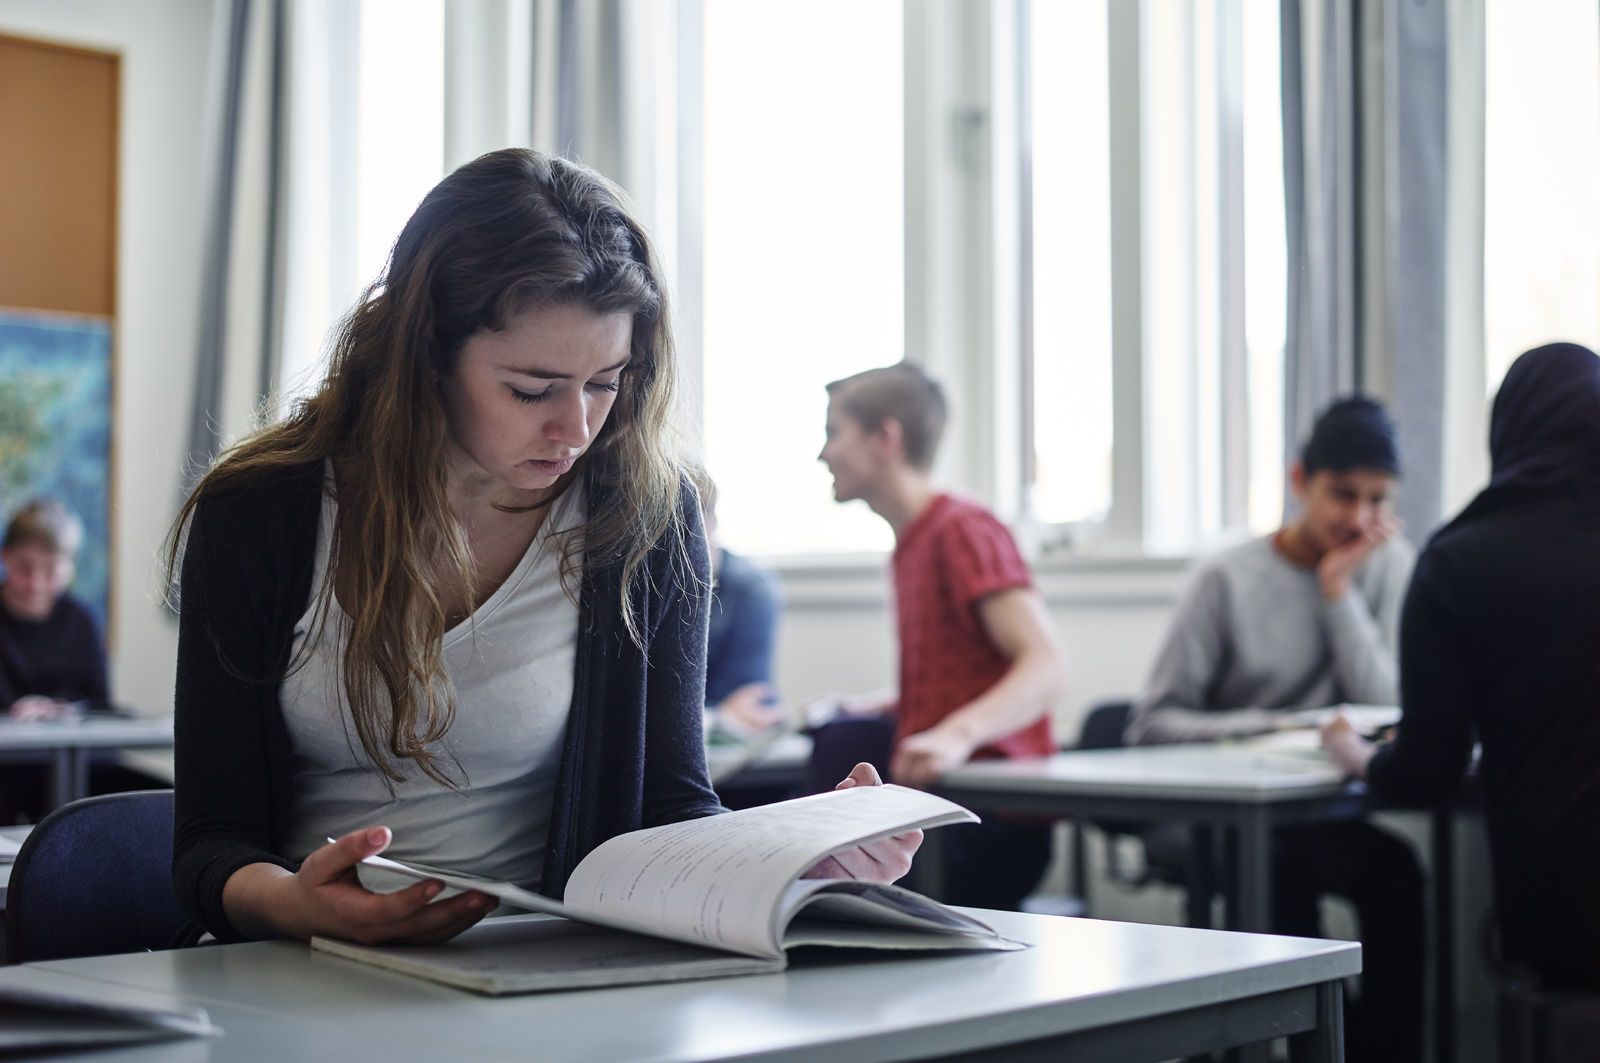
884, 860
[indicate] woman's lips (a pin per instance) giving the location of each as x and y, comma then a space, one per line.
552, 468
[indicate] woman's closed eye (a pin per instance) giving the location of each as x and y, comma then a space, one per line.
539, 396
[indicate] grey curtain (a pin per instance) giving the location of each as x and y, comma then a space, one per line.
250, 45
579, 108
1365, 121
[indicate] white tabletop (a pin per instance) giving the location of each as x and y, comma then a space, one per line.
10, 838
85, 732
785, 752
1227, 771
1083, 974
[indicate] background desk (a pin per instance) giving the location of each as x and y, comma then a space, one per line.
1248, 789
68, 744
1088, 990
1222, 785
7, 860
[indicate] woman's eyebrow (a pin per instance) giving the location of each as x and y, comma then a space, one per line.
551, 374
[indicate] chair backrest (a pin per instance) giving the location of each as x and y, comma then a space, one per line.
1103, 727
841, 744
1537, 1024
95, 878
1544, 1026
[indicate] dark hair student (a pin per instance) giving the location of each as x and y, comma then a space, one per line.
1500, 643
455, 603
1352, 433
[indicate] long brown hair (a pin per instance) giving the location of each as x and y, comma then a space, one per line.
512, 229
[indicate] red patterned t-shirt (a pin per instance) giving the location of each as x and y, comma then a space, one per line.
948, 560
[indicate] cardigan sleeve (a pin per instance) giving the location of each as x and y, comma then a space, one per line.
1438, 695
676, 785
226, 689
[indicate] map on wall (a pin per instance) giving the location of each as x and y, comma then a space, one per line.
55, 430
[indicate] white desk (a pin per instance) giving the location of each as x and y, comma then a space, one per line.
67, 745
779, 761
1248, 787
1088, 990
1232, 786
7, 860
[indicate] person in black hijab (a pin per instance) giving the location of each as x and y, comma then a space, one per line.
1500, 642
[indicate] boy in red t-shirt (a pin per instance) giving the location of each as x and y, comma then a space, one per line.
979, 666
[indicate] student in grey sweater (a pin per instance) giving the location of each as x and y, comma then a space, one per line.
1299, 620
1260, 632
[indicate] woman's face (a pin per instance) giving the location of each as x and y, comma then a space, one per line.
524, 403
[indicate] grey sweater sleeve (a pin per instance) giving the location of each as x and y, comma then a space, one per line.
1173, 707
1363, 631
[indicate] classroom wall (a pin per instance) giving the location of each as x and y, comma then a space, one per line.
165, 45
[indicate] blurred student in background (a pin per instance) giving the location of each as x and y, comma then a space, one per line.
51, 653
979, 666
1303, 619
1500, 643
745, 603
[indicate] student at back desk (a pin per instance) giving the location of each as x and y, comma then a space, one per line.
1303, 619
51, 652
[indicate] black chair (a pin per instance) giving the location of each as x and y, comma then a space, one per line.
95, 878
840, 744
1536, 1024
1174, 854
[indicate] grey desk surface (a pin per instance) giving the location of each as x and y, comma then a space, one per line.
16, 834
87, 732
1240, 772
278, 1000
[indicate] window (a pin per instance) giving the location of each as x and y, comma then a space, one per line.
366, 143
400, 121
804, 256
1541, 275
1266, 261
1071, 239
808, 178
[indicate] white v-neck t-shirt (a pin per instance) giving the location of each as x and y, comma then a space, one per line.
510, 666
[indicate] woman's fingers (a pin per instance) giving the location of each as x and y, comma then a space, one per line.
336, 859
441, 922
862, 774
373, 918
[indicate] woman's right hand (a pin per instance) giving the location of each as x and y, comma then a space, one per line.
326, 898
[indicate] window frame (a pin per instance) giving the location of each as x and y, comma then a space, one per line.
968, 269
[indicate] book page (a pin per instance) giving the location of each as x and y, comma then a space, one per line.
533, 953
722, 880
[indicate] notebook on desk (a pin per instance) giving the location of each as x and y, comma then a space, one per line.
33, 1020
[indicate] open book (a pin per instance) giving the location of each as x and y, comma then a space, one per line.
725, 892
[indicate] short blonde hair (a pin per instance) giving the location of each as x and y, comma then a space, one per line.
46, 523
906, 393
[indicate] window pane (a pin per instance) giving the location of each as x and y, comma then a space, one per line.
1541, 273
1266, 294
804, 253
1071, 262
401, 121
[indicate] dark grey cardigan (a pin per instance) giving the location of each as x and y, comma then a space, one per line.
633, 754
